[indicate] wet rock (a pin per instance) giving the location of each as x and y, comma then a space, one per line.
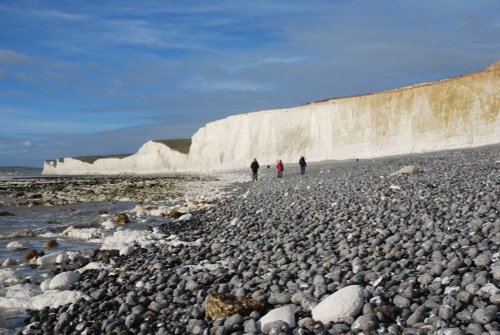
15, 245
120, 218
50, 244
219, 305
30, 254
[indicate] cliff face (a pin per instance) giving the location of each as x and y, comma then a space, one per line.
453, 113
152, 157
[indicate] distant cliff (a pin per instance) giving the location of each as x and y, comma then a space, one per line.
451, 113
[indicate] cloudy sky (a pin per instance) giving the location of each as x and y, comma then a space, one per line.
103, 77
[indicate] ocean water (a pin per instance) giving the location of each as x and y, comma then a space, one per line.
19, 172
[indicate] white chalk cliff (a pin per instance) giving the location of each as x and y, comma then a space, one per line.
452, 113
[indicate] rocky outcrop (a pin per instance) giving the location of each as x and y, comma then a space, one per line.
452, 113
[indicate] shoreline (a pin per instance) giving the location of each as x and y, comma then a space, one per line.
81, 220
405, 240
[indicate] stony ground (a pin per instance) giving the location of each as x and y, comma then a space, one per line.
424, 246
57, 191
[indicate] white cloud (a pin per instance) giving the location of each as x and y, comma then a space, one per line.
12, 57
27, 144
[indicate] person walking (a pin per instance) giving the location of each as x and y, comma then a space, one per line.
255, 168
280, 168
303, 164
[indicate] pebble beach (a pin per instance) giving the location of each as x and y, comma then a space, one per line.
398, 245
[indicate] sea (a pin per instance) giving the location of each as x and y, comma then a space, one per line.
32, 226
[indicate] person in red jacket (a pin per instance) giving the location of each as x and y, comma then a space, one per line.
280, 168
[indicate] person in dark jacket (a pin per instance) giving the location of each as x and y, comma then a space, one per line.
303, 164
280, 168
255, 168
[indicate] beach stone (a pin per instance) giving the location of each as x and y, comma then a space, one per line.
50, 244
386, 313
120, 218
61, 258
416, 316
15, 245
408, 169
342, 305
233, 320
484, 315
250, 326
125, 251
64, 280
285, 314
219, 305
446, 312
365, 323
192, 285
48, 259
278, 298
185, 217
133, 320
464, 316
450, 331
276, 327
62, 321
483, 259
495, 271
401, 302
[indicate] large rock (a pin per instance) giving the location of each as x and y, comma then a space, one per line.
64, 280
408, 169
341, 306
48, 259
285, 314
219, 305
121, 218
15, 245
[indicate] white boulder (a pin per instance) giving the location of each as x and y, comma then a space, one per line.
93, 266
15, 245
235, 222
186, 217
64, 280
49, 259
125, 251
341, 306
285, 314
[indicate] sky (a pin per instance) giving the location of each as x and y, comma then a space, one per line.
85, 77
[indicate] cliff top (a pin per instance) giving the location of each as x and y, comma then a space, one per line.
180, 145
92, 159
494, 66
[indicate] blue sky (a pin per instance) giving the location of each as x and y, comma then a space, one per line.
103, 77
